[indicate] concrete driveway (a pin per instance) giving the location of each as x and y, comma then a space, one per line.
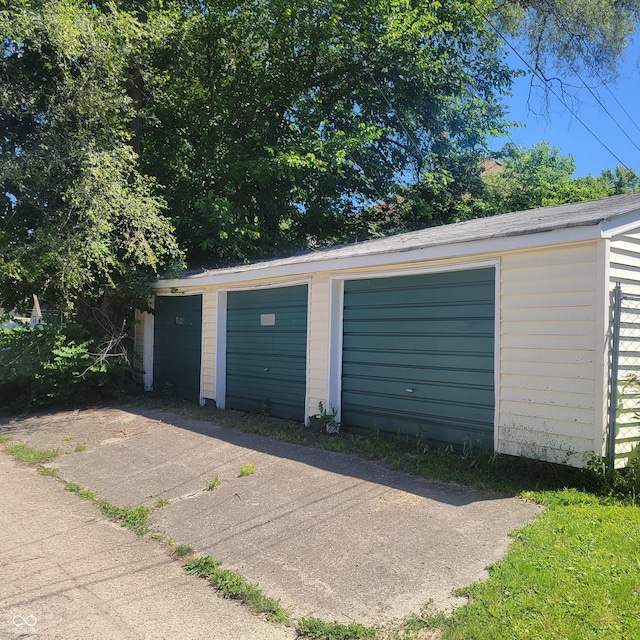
328, 534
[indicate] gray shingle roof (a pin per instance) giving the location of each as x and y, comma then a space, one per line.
579, 214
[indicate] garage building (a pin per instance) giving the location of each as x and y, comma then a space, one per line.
490, 333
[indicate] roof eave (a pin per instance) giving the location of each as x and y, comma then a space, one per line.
323, 262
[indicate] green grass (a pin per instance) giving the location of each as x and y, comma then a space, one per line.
24, 453
162, 502
235, 586
48, 471
85, 494
316, 629
135, 519
80, 447
182, 550
212, 483
247, 469
4, 438
573, 573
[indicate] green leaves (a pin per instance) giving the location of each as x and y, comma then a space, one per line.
79, 218
279, 120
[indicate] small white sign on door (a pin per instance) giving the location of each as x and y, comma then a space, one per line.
267, 319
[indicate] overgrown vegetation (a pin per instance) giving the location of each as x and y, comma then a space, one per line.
235, 586
57, 366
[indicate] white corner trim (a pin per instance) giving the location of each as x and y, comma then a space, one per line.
148, 337
336, 316
620, 225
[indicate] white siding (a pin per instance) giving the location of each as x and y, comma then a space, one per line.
625, 262
625, 269
549, 353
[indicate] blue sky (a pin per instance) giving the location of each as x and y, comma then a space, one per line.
562, 130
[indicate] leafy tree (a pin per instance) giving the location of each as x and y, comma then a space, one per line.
276, 121
569, 37
541, 177
79, 223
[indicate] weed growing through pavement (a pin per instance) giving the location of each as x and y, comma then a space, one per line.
235, 586
48, 471
247, 469
162, 502
68, 438
80, 447
24, 453
135, 519
319, 630
212, 483
85, 494
182, 550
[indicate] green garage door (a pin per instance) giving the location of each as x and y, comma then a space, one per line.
418, 356
267, 351
177, 345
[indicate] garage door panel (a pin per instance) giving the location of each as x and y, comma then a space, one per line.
267, 351
178, 344
438, 433
406, 375
265, 342
454, 362
418, 354
417, 411
418, 311
282, 368
356, 346
425, 327
442, 290
413, 391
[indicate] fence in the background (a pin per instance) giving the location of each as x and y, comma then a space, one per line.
624, 406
